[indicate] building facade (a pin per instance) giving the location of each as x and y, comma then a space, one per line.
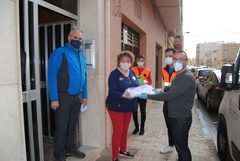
202, 50
32, 29
226, 54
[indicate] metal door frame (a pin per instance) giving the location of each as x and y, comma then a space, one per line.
34, 95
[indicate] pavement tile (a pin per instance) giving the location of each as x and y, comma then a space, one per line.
147, 146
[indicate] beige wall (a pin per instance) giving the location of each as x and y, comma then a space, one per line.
232, 50
99, 23
12, 132
92, 21
150, 28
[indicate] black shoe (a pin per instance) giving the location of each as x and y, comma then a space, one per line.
115, 160
76, 153
127, 154
141, 132
135, 131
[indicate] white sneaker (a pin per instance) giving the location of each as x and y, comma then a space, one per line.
168, 149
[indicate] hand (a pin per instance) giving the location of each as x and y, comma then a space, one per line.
84, 101
54, 105
156, 91
143, 96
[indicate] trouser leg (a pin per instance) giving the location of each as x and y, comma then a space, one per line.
126, 122
165, 113
135, 119
71, 139
117, 124
61, 124
180, 128
142, 104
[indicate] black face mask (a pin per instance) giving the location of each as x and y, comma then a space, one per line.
76, 43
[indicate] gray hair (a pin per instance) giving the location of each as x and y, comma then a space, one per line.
75, 28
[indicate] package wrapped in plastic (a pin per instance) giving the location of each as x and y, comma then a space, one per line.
135, 91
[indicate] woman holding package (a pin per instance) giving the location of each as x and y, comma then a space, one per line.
120, 109
145, 73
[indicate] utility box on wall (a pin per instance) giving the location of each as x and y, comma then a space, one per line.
88, 47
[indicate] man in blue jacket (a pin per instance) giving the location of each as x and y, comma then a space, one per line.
67, 80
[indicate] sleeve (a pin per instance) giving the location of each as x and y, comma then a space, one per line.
149, 79
54, 63
85, 92
177, 90
113, 86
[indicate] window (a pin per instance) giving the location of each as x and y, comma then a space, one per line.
138, 9
225, 56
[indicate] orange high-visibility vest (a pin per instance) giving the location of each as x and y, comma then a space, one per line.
167, 77
145, 73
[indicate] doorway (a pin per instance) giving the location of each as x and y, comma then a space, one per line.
42, 29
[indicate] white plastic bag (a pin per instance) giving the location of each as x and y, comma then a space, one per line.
135, 91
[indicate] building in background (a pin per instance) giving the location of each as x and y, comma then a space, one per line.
215, 54
202, 50
226, 54
31, 30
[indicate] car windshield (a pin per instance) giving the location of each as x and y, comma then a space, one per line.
203, 72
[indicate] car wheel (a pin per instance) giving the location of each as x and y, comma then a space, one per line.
222, 142
208, 104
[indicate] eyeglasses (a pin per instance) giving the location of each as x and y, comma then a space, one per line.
180, 59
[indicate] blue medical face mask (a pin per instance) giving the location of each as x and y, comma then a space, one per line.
76, 43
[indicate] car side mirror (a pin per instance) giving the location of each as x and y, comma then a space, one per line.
227, 77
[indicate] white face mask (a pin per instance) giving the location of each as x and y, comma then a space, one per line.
178, 66
168, 60
139, 63
125, 66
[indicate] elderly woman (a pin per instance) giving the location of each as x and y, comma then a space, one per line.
120, 109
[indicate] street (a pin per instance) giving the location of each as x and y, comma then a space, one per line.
202, 136
211, 119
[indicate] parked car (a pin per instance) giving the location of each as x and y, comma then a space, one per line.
193, 69
208, 89
199, 73
228, 133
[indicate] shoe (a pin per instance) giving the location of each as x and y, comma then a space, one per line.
115, 160
168, 149
60, 159
127, 154
76, 153
141, 132
135, 131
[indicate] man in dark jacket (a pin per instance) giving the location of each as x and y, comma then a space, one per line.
180, 98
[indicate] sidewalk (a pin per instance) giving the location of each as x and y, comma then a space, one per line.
147, 146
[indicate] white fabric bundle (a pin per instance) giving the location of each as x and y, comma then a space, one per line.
135, 91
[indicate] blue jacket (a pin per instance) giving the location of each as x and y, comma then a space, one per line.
117, 84
67, 72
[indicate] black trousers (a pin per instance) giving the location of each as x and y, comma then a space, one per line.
66, 117
142, 103
165, 112
180, 128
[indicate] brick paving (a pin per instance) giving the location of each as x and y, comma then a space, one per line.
147, 146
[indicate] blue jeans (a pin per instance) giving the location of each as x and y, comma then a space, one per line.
180, 128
